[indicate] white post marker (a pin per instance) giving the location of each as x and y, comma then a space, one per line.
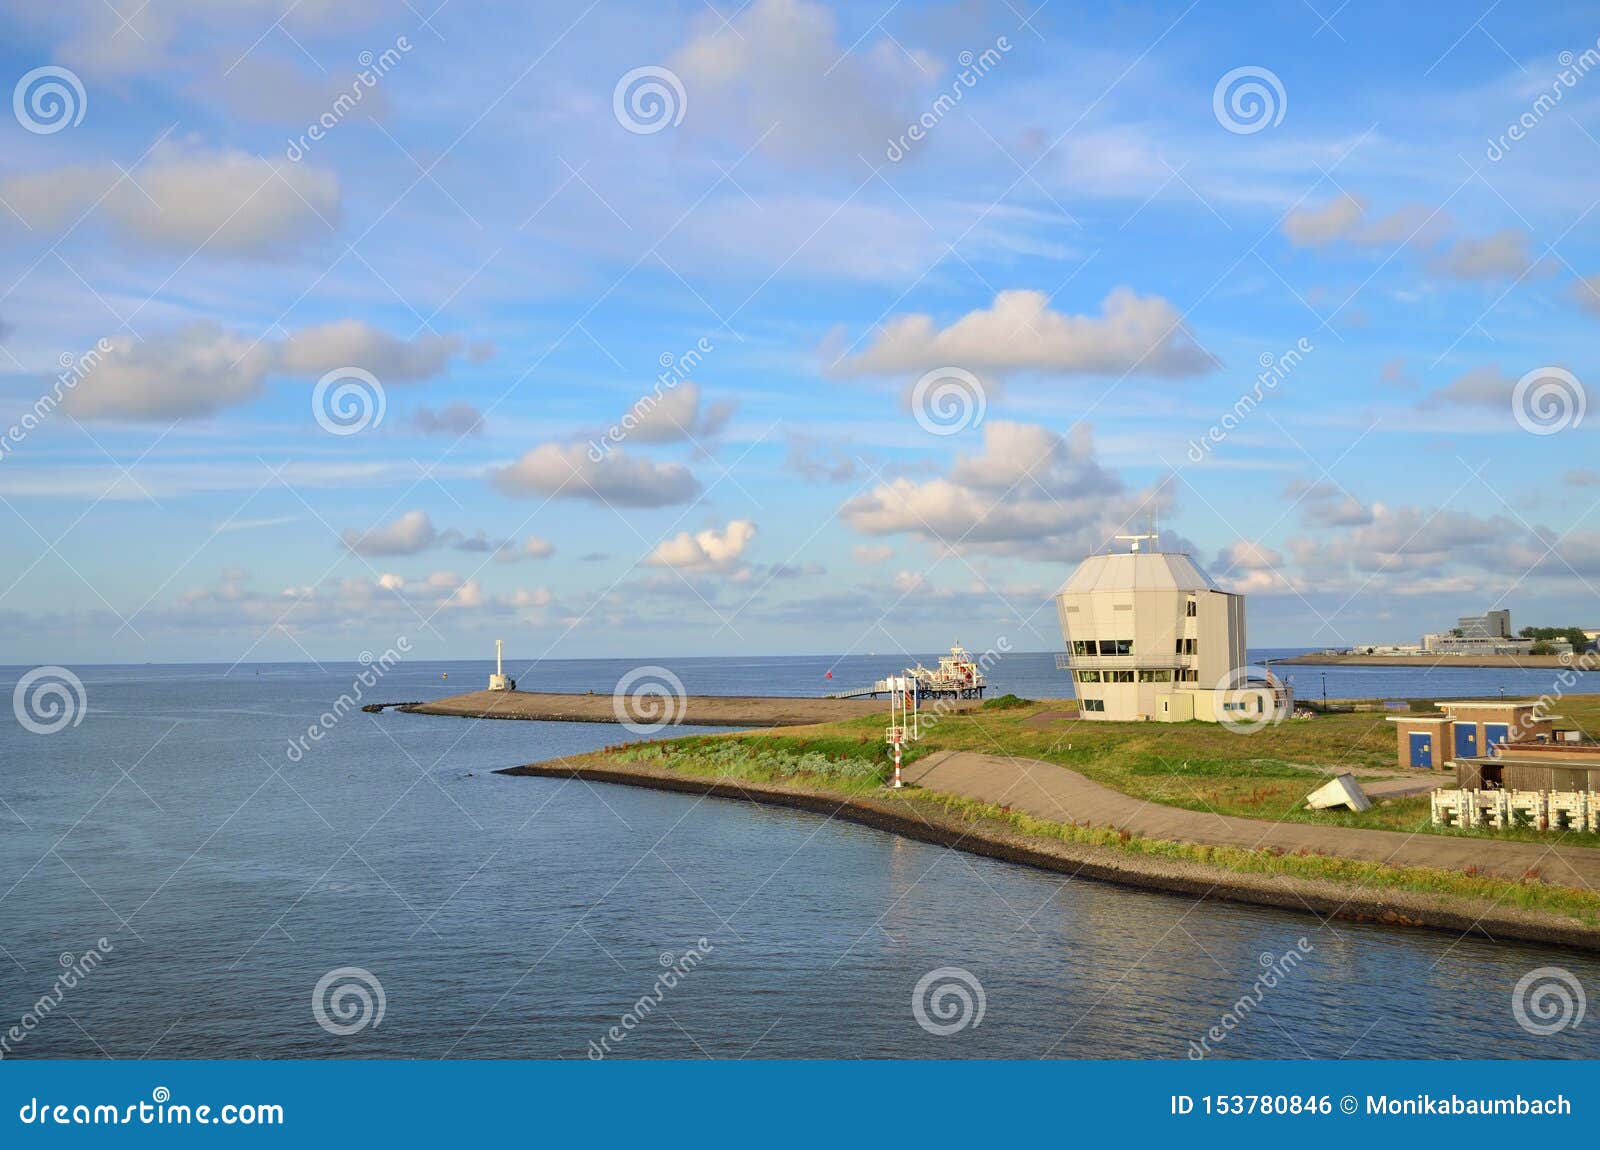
897, 784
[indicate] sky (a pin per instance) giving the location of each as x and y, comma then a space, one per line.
780, 327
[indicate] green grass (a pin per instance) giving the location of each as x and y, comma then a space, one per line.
1528, 894
1196, 766
1006, 703
854, 765
762, 760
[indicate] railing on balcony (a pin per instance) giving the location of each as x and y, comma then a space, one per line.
1067, 662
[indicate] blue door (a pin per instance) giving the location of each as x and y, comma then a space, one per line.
1422, 750
1494, 733
1466, 740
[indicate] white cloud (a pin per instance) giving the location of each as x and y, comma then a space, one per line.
407, 535
194, 371
1586, 293
819, 462
1313, 227
1344, 219
705, 551
872, 554
1249, 567
779, 69
351, 343
570, 471
1505, 254
267, 89
1032, 492
1133, 333
200, 369
1327, 505
225, 201
457, 418
676, 415
1481, 387
114, 41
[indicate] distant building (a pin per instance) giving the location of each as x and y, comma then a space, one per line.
1475, 645
1486, 634
1150, 636
1490, 625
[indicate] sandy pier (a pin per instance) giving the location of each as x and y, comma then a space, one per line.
694, 710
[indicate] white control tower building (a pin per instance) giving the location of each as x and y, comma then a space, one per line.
1150, 636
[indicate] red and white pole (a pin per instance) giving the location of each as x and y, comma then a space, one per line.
897, 784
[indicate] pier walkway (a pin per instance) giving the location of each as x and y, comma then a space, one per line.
1048, 791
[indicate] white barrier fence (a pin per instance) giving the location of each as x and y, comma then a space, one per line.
1544, 810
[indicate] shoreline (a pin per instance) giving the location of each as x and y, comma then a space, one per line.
1325, 899
1431, 662
752, 711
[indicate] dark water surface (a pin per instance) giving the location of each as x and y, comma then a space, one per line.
517, 917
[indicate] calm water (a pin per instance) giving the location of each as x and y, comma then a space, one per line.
509, 917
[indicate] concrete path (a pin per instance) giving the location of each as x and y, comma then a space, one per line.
1061, 795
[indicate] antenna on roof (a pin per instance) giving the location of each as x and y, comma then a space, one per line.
1151, 534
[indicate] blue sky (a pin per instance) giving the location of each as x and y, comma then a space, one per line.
909, 382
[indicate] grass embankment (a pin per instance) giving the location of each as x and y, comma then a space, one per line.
1198, 766
1201, 766
853, 766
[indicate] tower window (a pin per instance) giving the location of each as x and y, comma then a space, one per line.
1193, 609
1092, 704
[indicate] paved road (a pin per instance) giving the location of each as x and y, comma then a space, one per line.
1061, 795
